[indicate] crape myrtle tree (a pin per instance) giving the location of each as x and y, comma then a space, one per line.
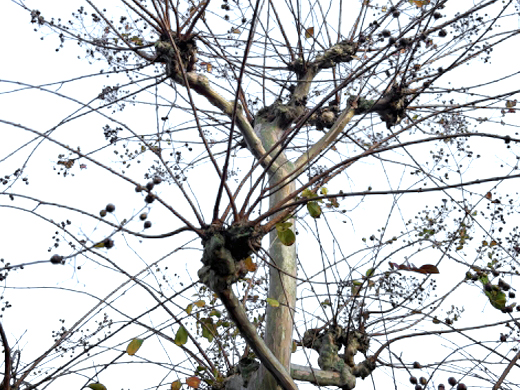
267, 194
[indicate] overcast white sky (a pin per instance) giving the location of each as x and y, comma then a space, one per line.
25, 239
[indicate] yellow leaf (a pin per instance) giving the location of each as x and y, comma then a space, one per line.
200, 303
208, 66
133, 346
273, 302
189, 308
493, 243
97, 386
176, 385
420, 3
193, 381
236, 31
309, 33
250, 266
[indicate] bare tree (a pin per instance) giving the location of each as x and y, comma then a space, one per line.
378, 139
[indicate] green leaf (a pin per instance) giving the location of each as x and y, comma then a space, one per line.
181, 337
285, 234
133, 346
370, 272
138, 41
308, 194
314, 209
97, 386
497, 298
189, 308
273, 302
484, 279
283, 226
206, 332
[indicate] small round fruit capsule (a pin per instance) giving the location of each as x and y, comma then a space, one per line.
103, 213
452, 381
147, 225
417, 365
413, 380
149, 185
138, 188
110, 208
441, 387
149, 198
109, 243
423, 381
143, 216
462, 386
512, 294
57, 259
157, 180
418, 387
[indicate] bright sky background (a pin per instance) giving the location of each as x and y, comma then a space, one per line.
30, 60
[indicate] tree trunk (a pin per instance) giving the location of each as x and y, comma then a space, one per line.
282, 284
